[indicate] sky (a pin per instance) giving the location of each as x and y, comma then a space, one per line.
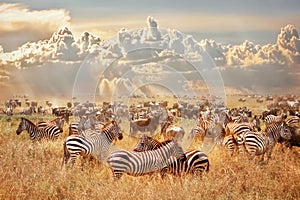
29, 20
255, 44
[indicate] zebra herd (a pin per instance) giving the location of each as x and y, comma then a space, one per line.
95, 136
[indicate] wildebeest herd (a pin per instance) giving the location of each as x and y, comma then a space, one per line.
93, 129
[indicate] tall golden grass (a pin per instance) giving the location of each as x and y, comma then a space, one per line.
33, 171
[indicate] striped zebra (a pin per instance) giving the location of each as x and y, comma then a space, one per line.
238, 130
203, 123
140, 163
49, 132
230, 143
201, 129
260, 143
59, 122
93, 144
273, 118
196, 161
196, 132
292, 120
75, 128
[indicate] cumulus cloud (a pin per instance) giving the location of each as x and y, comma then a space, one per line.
284, 52
288, 42
23, 25
62, 46
168, 45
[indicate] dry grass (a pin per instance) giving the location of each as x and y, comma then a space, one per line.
33, 171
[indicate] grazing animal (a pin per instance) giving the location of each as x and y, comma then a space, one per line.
197, 132
59, 122
140, 163
238, 130
230, 143
170, 131
196, 161
8, 111
50, 132
292, 120
94, 144
295, 138
150, 124
260, 143
273, 118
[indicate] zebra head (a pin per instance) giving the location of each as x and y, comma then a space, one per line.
116, 130
285, 132
256, 123
146, 143
142, 144
22, 126
176, 150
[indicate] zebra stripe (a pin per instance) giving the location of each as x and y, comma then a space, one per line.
292, 120
273, 118
198, 131
59, 122
196, 161
94, 144
203, 123
260, 143
73, 128
79, 127
230, 144
140, 163
50, 132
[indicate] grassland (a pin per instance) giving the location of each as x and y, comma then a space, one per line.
33, 171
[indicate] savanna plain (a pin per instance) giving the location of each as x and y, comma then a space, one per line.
33, 171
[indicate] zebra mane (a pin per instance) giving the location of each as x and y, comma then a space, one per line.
149, 138
164, 143
158, 142
30, 122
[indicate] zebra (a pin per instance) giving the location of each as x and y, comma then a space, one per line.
230, 143
260, 143
196, 132
74, 128
196, 161
292, 120
238, 130
79, 128
273, 118
86, 122
146, 162
94, 144
50, 132
203, 123
59, 122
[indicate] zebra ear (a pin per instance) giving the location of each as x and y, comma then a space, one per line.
114, 122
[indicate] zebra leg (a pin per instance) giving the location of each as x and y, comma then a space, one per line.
163, 172
83, 161
262, 158
73, 158
66, 156
117, 174
269, 153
